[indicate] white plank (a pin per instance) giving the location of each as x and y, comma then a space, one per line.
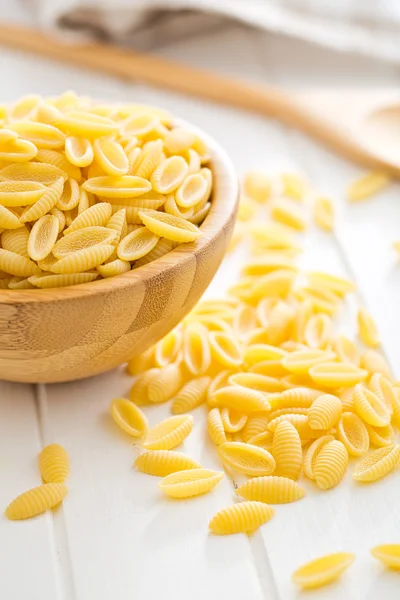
27, 548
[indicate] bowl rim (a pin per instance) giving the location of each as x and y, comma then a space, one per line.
225, 200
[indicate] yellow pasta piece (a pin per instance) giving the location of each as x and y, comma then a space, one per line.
196, 348
83, 238
36, 501
138, 393
312, 453
247, 459
15, 264
270, 368
280, 322
388, 554
299, 397
189, 483
321, 298
20, 193
377, 464
368, 185
162, 247
16, 241
192, 395
8, 220
25, 108
137, 244
318, 331
110, 156
286, 212
374, 362
179, 140
353, 433
141, 362
276, 283
79, 151
168, 226
42, 237
381, 436
301, 361
336, 375
244, 517
335, 284
193, 191
225, 350
129, 417
169, 175
299, 421
271, 489
215, 427
260, 352
169, 433
245, 320
83, 260
257, 185
255, 381
148, 160
164, 462
330, 464
60, 217
383, 388
286, 449
126, 186
257, 423
54, 464
50, 281
264, 440
97, 215
83, 124
322, 571
168, 348
247, 208
346, 350
20, 283
367, 329
17, 150
370, 407
40, 134
241, 398
232, 420
48, 201
324, 214
325, 412
115, 267
165, 385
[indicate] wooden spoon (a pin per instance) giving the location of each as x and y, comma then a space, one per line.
362, 125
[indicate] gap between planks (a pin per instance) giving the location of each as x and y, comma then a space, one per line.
58, 535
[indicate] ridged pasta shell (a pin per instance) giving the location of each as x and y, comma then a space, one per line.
36, 172
383, 388
241, 398
167, 349
141, 362
53, 281
225, 349
169, 433
324, 214
25, 108
69, 198
54, 464
179, 140
83, 260
189, 483
83, 124
97, 215
20, 283
40, 134
255, 381
367, 329
288, 213
149, 159
367, 186
352, 432
377, 464
271, 489
286, 450
388, 554
196, 348
111, 157
324, 412
215, 427
370, 407
321, 298
168, 226
257, 185
20, 193
301, 361
169, 174
330, 464
42, 237
247, 459
79, 151
8, 220
379, 436
164, 462
191, 395
318, 331
165, 385
322, 571
118, 223
126, 186
337, 285
129, 417
59, 160
347, 350
113, 268
17, 150
16, 241
312, 453
137, 244
244, 517
232, 420
138, 393
298, 397
18, 265
44, 205
36, 501
336, 375
374, 362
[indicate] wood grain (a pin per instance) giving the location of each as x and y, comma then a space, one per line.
79, 331
333, 118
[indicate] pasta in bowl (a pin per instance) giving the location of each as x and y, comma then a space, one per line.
56, 330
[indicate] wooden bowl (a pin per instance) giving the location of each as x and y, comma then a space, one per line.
68, 333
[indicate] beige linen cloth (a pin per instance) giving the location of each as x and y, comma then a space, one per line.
369, 27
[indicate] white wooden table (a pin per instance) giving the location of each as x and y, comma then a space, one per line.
116, 538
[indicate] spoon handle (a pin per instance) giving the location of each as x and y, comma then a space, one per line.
293, 109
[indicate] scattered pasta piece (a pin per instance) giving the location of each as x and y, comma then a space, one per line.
191, 482
353, 433
367, 186
322, 571
324, 214
192, 395
367, 329
129, 417
330, 464
244, 517
257, 185
388, 554
247, 459
377, 464
324, 412
36, 501
286, 449
169, 433
164, 462
312, 453
54, 464
272, 490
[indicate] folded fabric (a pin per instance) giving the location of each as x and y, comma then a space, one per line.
370, 27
